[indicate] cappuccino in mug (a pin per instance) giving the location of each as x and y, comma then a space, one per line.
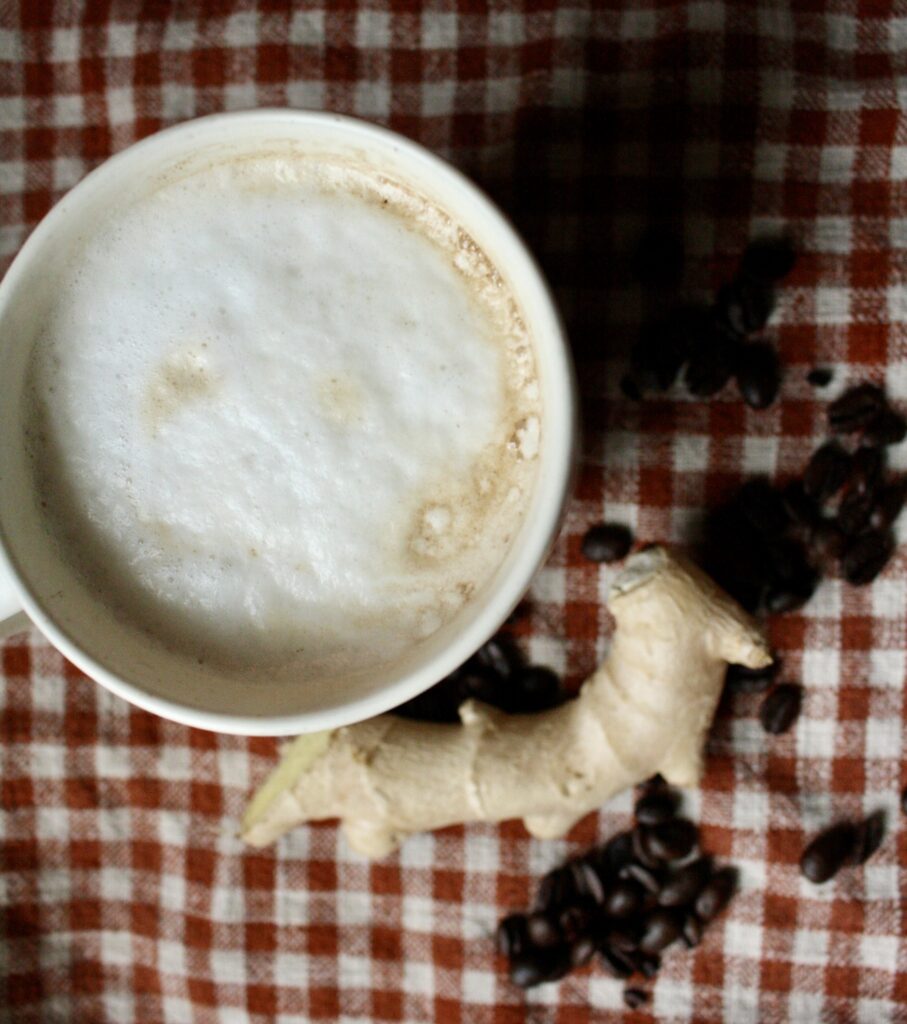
283, 415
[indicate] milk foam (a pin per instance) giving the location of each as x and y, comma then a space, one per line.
284, 415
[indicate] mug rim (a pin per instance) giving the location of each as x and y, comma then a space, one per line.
505, 594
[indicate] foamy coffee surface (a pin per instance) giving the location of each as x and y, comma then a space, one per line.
285, 415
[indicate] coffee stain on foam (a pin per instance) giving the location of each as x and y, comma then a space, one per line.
183, 377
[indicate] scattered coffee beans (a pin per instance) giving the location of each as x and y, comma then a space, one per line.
609, 542
610, 901
781, 708
828, 852
635, 997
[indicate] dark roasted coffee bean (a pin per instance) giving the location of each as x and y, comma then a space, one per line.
856, 408
827, 471
649, 964
624, 898
646, 878
656, 806
888, 427
800, 507
660, 928
672, 840
535, 966
619, 964
820, 377
635, 997
826, 541
716, 894
825, 855
758, 374
657, 356
629, 388
440, 703
869, 835
685, 884
536, 688
855, 511
588, 881
763, 506
768, 259
481, 682
616, 853
712, 362
574, 921
745, 305
741, 679
867, 467
609, 542
867, 556
541, 930
779, 599
658, 259
582, 951
641, 849
511, 935
692, 931
780, 708
623, 939
502, 655
889, 502
904, 800
556, 890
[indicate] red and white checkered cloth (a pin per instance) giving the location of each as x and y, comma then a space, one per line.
125, 893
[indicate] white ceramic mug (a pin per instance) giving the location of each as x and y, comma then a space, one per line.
33, 576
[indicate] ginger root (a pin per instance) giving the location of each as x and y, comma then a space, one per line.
647, 709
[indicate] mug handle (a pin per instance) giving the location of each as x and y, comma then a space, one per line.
12, 618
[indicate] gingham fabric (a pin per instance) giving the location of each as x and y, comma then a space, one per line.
126, 895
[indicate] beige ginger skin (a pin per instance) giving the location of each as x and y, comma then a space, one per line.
647, 709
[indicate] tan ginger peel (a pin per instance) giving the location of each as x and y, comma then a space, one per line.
647, 709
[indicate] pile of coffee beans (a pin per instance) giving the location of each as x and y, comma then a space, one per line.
713, 344
843, 844
497, 674
625, 902
768, 547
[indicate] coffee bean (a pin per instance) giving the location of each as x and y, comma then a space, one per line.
856, 408
866, 468
511, 935
649, 964
758, 374
780, 708
745, 305
889, 502
779, 599
646, 878
855, 511
672, 840
887, 427
657, 357
438, 704
658, 260
501, 654
825, 855
609, 542
574, 921
827, 471
685, 884
820, 377
536, 688
635, 997
904, 800
716, 894
712, 362
741, 679
867, 556
826, 541
869, 836
616, 853
656, 806
641, 849
582, 951
800, 507
541, 930
625, 940
539, 965
660, 928
481, 682
556, 890
629, 388
763, 506
768, 259
587, 881
692, 931
619, 964
624, 898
